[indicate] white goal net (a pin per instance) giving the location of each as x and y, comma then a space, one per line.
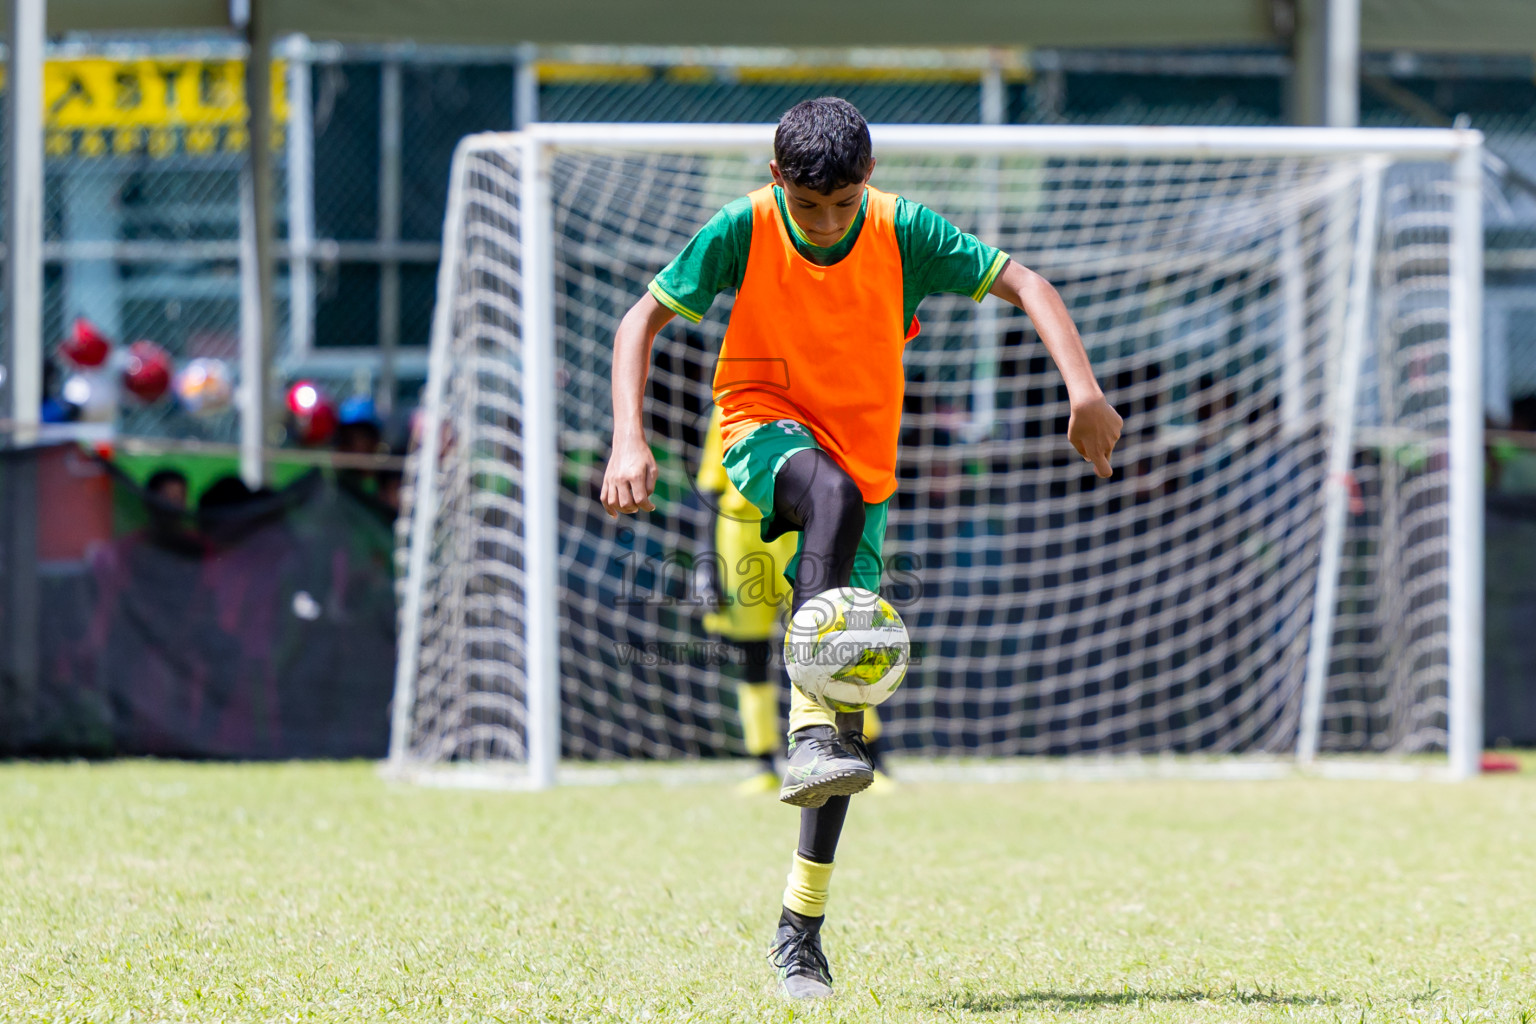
1285, 561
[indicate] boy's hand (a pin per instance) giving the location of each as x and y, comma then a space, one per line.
1093, 431
629, 479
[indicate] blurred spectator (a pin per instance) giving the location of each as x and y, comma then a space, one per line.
170, 525
389, 490
228, 512
360, 438
361, 433
225, 492
56, 408
170, 487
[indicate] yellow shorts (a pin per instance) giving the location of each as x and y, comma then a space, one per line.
755, 593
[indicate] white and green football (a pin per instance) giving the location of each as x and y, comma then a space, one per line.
847, 649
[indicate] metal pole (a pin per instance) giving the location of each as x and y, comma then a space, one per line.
24, 354
1466, 469
389, 231
256, 250
301, 202
253, 404
525, 87
540, 465
1304, 85
1342, 92
1340, 459
984, 382
24, 268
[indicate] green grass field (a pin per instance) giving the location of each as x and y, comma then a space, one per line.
167, 892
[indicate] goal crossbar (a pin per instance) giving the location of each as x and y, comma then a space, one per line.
1065, 140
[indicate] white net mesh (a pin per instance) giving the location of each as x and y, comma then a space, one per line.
1167, 609
470, 697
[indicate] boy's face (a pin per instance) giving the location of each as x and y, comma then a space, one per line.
825, 219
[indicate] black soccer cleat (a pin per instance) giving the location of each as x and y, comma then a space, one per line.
796, 953
820, 765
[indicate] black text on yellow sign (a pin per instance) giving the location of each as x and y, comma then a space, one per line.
151, 106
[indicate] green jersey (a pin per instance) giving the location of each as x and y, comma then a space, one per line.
936, 257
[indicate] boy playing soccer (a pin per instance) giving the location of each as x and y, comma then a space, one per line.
738, 575
828, 273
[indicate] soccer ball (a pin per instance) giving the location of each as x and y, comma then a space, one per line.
312, 417
204, 387
847, 649
147, 371
86, 347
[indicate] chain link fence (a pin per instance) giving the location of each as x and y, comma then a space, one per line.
146, 149
145, 146
383, 128
143, 158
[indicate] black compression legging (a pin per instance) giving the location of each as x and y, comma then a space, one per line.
815, 494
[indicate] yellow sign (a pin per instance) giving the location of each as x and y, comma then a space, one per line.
155, 106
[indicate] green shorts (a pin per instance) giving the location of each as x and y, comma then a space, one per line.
754, 461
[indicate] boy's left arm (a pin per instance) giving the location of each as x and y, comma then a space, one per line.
1095, 426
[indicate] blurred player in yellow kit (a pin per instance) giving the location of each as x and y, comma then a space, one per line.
740, 578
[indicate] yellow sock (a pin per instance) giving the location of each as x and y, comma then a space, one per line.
803, 712
871, 725
758, 704
809, 882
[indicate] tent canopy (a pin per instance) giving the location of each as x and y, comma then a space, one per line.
1488, 26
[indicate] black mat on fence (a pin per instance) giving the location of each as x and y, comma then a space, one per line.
264, 627
1509, 682
258, 628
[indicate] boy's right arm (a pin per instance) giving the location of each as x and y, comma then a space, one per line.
1094, 426
631, 473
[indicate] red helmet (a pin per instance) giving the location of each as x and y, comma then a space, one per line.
86, 346
311, 412
147, 371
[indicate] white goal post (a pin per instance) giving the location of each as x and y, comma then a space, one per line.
1287, 563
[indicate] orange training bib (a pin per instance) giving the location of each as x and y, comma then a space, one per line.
820, 345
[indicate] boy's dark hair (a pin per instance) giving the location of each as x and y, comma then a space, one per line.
823, 145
